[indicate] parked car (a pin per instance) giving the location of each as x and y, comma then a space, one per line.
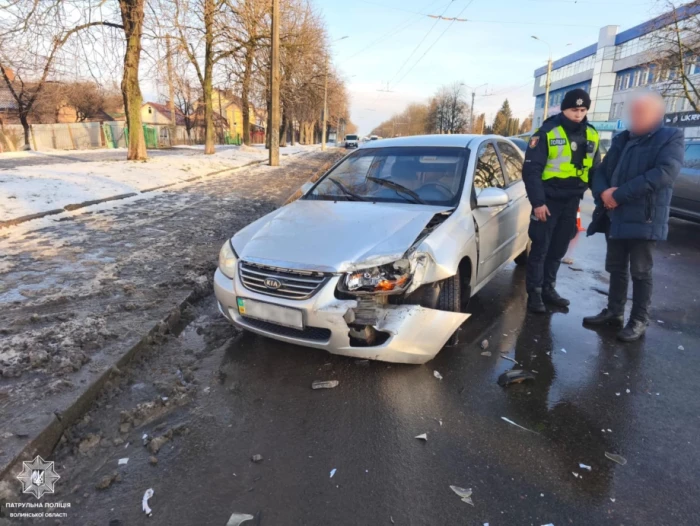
352, 141
685, 202
378, 259
374, 137
519, 142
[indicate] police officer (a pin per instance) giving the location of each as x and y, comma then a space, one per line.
559, 163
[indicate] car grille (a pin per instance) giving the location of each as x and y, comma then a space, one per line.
295, 284
315, 334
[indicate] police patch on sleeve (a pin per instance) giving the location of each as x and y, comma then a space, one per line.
534, 140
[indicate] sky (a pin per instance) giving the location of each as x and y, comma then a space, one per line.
394, 45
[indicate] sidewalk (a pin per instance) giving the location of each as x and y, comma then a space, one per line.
34, 184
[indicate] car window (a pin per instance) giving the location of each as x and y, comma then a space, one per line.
432, 175
488, 173
692, 156
512, 161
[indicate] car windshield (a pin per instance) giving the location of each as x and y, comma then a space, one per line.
351, 137
424, 175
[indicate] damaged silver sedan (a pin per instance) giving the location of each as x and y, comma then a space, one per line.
379, 257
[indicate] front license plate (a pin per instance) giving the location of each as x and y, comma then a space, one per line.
269, 312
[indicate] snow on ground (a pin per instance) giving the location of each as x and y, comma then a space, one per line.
33, 188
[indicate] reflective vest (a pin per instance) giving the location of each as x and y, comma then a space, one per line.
559, 158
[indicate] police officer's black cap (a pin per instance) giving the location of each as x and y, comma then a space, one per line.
576, 98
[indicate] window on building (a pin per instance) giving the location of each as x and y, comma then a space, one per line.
150, 110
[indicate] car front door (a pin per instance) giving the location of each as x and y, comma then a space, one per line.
686, 190
492, 222
519, 208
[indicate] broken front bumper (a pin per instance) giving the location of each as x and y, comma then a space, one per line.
415, 334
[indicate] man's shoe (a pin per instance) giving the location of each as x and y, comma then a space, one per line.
634, 330
535, 303
551, 296
605, 317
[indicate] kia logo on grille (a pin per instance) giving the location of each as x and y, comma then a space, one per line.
272, 283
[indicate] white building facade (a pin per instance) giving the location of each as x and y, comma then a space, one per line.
610, 70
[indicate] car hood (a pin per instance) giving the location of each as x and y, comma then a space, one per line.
333, 236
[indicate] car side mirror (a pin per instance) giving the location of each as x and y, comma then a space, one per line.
306, 187
492, 197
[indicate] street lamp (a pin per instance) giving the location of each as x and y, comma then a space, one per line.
547, 80
325, 98
471, 111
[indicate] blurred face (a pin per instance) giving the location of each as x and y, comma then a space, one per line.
575, 114
645, 114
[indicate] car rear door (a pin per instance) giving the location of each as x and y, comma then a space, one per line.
519, 206
686, 190
492, 222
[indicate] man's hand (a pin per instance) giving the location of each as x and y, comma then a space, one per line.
608, 199
541, 213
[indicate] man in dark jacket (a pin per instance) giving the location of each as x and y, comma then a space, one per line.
560, 159
634, 184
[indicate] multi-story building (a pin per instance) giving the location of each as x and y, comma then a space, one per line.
610, 70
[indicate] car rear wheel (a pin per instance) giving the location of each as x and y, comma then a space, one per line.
450, 300
521, 260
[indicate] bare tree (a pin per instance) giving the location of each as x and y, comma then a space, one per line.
448, 110
86, 98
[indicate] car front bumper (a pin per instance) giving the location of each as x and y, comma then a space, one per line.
416, 334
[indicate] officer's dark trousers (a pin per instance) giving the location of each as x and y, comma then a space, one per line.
549, 242
625, 256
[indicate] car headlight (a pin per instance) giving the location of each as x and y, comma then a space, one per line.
227, 260
390, 278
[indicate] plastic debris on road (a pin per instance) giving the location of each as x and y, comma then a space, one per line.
515, 376
464, 494
568, 261
518, 425
239, 518
437, 375
256, 458
616, 458
324, 384
333, 472
423, 436
584, 466
485, 344
144, 502
486, 353
575, 474
681, 348
510, 359
123, 461
563, 350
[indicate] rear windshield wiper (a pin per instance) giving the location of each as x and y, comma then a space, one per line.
398, 187
345, 190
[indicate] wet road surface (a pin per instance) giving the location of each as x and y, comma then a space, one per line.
238, 395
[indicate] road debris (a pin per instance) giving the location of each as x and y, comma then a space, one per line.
518, 425
568, 261
575, 474
107, 480
325, 384
616, 458
256, 458
333, 472
239, 518
661, 322
628, 391
576, 269
123, 461
681, 348
437, 375
584, 466
153, 460
362, 362
144, 502
510, 359
464, 494
563, 350
486, 353
423, 436
612, 500
485, 344
145, 439
515, 376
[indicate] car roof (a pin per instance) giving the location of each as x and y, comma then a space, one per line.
457, 140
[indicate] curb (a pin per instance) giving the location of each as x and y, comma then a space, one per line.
84, 204
46, 439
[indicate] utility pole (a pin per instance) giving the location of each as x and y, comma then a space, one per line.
171, 90
325, 109
546, 87
275, 87
471, 114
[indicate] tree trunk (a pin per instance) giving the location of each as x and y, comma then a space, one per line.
208, 71
132, 18
269, 121
283, 128
245, 94
25, 127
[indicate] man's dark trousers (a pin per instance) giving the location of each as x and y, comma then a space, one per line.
635, 255
549, 242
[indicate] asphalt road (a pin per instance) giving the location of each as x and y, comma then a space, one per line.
244, 395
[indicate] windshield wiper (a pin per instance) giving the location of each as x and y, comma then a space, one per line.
398, 187
345, 190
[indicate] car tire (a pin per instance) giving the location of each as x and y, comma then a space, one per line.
450, 300
521, 259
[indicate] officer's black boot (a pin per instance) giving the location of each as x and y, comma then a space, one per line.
534, 301
551, 296
605, 317
634, 330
